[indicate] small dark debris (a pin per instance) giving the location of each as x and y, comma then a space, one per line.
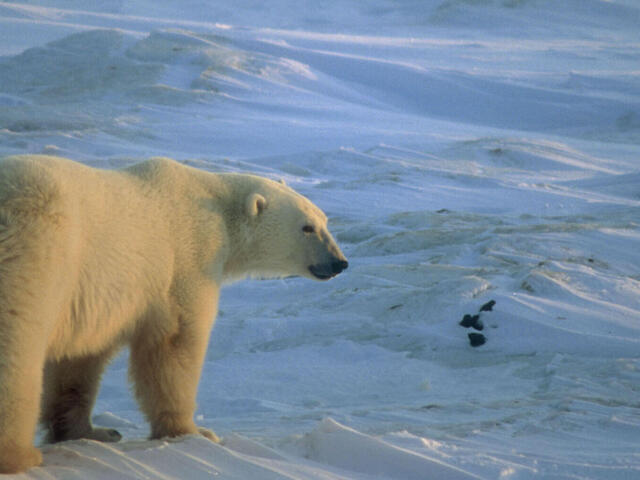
472, 321
393, 307
487, 307
467, 321
477, 339
443, 210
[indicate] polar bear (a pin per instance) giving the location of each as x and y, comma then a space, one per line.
92, 260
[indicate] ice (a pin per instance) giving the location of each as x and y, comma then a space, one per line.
464, 151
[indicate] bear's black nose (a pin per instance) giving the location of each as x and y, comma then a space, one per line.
338, 266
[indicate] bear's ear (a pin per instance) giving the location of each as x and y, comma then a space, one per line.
282, 182
256, 204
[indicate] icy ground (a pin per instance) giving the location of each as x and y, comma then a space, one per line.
464, 150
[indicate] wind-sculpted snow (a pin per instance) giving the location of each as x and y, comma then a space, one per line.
464, 151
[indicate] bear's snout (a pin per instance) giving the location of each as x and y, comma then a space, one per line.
338, 266
328, 270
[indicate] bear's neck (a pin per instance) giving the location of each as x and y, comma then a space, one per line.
235, 189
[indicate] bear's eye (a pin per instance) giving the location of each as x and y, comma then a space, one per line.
308, 229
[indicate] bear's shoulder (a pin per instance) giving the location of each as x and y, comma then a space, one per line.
165, 173
152, 166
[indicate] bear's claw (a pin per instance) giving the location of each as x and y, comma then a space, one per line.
205, 432
105, 435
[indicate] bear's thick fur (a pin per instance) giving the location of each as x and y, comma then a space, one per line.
92, 260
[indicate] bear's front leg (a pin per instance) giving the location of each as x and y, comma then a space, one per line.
166, 366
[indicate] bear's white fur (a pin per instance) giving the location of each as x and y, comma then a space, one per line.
92, 260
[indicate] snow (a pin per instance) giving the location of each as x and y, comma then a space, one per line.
463, 150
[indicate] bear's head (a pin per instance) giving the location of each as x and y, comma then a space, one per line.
287, 235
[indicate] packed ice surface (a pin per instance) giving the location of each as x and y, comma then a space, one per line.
465, 151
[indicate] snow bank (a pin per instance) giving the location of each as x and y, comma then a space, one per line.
330, 451
334, 444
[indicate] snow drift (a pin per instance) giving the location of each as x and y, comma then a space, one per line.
465, 151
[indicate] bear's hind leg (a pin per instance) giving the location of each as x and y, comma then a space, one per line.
34, 258
19, 397
70, 389
21, 364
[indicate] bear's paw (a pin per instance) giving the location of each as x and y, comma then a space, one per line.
15, 459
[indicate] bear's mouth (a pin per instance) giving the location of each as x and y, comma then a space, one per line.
325, 272
320, 273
